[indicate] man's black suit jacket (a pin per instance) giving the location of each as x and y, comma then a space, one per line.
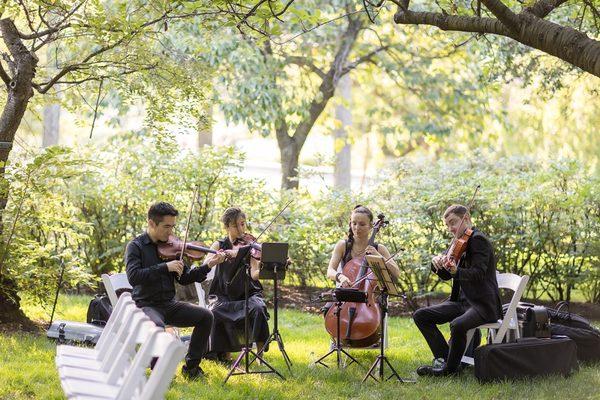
476, 277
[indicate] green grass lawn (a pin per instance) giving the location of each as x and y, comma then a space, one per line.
27, 369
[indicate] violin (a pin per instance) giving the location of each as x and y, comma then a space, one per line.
249, 240
173, 249
359, 322
457, 249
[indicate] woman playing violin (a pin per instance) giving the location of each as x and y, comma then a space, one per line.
474, 300
226, 293
357, 245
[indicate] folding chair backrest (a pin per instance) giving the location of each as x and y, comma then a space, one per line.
169, 351
114, 322
114, 282
200, 289
117, 365
135, 378
125, 329
517, 284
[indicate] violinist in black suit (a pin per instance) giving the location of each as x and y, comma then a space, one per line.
474, 300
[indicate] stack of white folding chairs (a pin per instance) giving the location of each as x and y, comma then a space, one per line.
116, 367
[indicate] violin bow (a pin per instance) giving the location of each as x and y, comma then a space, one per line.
187, 226
273, 220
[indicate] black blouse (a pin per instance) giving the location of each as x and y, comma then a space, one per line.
228, 282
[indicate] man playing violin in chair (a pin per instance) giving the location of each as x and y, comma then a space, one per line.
153, 288
474, 300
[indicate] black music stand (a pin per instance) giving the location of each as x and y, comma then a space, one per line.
274, 258
242, 261
388, 287
341, 296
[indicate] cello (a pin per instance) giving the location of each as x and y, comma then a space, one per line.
359, 322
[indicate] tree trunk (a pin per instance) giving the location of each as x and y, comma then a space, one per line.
19, 90
205, 128
342, 167
290, 154
51, 125
290, 146
51, 113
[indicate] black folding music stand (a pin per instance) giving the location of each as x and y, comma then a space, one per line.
274, 258
388, 287
242, 261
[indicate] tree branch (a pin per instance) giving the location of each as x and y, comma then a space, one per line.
544, 7
305, 62
74, 67
453, 22
563, 42
365, 58
504, 14
5, 78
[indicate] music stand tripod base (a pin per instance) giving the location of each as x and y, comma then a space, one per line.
377, 265
274, 260
337, 348
247, 350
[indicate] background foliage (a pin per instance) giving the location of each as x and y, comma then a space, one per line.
80, 208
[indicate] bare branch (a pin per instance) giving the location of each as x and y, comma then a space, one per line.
59, 26
250, 13
5, 78
453, 22
305, 62
504, 14
365, 58
544, 7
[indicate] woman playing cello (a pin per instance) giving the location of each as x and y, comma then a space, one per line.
347, 255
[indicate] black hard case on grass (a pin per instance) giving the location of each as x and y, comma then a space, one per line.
587, 341
527, 357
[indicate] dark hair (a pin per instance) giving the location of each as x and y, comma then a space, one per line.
157, 211
361, 210
232, 214
456, 209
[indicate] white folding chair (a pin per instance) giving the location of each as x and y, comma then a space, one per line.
106, 338
200, 290
115, 282
113, 367
135, 385
110, 351
497, 331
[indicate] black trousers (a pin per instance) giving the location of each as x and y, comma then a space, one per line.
181, 314
461, 316
228, 329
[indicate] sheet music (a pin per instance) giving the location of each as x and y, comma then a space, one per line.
377, 265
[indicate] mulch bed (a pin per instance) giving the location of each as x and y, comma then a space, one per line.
306, 299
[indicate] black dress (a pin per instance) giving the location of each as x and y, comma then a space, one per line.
226, 301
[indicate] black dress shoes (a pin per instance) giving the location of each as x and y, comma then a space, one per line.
428, 370
192, 373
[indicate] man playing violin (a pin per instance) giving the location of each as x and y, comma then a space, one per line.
153, 288
474, 300
227, 291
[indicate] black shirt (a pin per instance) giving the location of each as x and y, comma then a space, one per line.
228, 283
148, 275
